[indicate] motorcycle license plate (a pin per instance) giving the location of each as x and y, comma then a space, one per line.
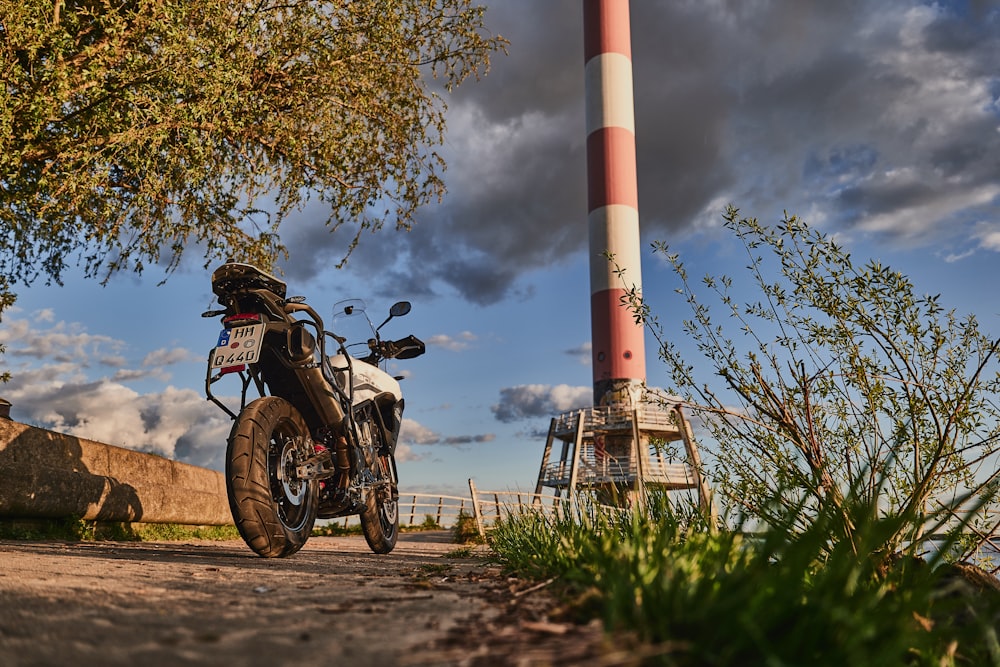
237, 346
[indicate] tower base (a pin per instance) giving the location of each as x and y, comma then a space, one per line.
618, 453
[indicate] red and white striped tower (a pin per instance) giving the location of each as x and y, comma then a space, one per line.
613, 200
620, 457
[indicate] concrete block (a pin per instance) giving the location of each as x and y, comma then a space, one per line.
44, 474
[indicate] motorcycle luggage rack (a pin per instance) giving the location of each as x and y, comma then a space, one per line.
246, 377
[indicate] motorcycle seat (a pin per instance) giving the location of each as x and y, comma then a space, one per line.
236, 275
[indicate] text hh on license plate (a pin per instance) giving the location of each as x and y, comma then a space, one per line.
239, 345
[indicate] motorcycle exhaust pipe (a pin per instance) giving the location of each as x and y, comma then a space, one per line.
300, 348
342, 460
321, 396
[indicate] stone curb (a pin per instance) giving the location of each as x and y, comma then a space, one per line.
44, 474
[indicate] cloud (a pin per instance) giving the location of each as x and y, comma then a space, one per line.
168, 357
61, 342
44, 315
468, 439
64, 393
176, 423
453, 344
405, 453
130, 375
413, 433
583, 353
540, 400
28, 339
71, 381
879, 117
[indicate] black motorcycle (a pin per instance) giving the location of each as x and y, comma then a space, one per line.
319, 438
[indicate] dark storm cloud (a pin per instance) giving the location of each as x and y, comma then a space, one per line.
961, 33
878, 116
516, 172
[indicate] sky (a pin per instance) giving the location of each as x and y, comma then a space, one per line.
875, 121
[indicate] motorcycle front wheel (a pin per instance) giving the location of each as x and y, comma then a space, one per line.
380, 518
274, 511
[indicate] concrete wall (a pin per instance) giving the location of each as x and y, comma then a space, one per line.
50, 475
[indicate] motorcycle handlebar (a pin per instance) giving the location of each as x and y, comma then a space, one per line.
404, 348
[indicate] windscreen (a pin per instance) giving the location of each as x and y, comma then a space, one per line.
351, 322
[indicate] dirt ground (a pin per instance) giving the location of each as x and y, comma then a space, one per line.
155, 604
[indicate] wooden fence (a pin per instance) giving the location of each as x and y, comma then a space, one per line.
424, 509
417, 509
486, 507
489, 506
443, 511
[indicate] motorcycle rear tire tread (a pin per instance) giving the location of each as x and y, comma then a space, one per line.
248, 480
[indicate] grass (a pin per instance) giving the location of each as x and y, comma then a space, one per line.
779, 598
467, 551
464, 531
80, 530
336, 529
76, 530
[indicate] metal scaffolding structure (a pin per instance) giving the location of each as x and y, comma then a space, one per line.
617, 451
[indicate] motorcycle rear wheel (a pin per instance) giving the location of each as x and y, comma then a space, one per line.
380, 518
273, 510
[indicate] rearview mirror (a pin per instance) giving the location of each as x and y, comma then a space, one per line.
398, 309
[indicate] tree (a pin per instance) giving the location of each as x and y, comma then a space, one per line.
133, 129
7, 299
841, 386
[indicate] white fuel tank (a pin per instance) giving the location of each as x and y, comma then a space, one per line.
369, 381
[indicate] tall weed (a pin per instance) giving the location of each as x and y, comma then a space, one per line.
780, 596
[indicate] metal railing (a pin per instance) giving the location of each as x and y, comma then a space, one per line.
652, 417
617, 470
